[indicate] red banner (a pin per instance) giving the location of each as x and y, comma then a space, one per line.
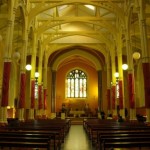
45, 104
32, 93
40, 96
131, 90
113, 96
5, 85
22, 90
146, 73
120, 94
108, 99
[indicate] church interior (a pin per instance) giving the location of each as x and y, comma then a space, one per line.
86, 62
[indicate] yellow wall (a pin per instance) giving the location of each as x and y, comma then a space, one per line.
92, 94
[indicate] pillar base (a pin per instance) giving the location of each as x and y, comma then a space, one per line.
133, 114
122, 113
3, 114
44, 115
31, 114
21, 114
39, 113
148, 114
115, 116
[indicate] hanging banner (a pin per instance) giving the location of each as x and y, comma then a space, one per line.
40, 96
120, 94
45, 104
22, 90
32, 93
131, 90
5, 84
113, 96
146, 73
108, 99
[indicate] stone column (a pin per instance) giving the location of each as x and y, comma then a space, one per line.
120, 70
21, 108
113, 86
53, 96
32, 78
131, 79
44, 102
40, 84
109, 106
7, 64
145, 56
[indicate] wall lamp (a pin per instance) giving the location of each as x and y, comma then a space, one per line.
124, 66
116, 74
36, 74
136, 55
28, 67
36, 77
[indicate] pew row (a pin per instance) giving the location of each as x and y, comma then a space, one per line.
24, 140
55, 129
96, 129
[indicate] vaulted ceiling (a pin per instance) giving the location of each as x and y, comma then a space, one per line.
62, 25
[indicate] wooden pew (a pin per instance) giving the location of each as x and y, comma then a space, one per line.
56, 128
122, 136
55, 141
95, 127
24, 140
125, 142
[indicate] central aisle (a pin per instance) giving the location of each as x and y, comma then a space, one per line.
77, 139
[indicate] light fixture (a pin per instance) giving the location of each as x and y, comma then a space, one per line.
124, 66
36, 74
16, 56
8, 107
116, 74
28, 67
136, 55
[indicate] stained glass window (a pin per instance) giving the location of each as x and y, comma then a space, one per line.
76, 84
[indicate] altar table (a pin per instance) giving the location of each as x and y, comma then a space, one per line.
77, 112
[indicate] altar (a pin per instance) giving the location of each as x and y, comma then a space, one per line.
77, 112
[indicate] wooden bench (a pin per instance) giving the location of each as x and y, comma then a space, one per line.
24, 140
56, 128
96, 127
56, 133
97, 130
125, 142
115, 136
55, 141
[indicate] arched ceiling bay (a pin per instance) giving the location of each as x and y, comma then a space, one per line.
74, 23
91, 22
75, 54
78, 24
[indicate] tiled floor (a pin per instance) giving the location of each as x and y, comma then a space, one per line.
77, 139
